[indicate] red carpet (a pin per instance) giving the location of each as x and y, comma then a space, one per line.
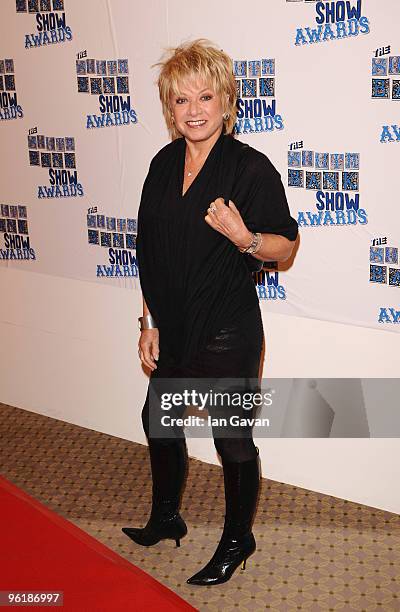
42, 551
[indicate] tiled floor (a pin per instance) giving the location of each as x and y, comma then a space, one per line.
314, 552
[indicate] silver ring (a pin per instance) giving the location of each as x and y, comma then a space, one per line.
213, 208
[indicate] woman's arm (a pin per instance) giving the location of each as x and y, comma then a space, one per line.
228, 221
149, 343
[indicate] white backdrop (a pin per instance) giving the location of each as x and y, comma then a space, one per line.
323, 105
323, 94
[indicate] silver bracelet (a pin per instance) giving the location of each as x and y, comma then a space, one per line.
147, 322
254, 246
252, 243
258, 245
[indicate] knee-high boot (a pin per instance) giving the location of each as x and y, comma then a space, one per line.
168, 468
237, 542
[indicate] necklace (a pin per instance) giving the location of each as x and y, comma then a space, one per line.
190, 172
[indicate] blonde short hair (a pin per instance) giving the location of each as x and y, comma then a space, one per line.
203, 59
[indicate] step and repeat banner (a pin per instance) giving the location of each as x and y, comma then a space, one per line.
318, 87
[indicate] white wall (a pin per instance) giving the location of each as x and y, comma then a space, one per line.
69, 351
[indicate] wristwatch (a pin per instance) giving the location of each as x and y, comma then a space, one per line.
147, 322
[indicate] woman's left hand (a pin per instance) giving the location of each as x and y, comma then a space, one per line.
228, 221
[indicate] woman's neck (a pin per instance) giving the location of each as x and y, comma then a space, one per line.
199, 150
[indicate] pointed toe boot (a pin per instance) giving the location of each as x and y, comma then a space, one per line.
237, 541
168, 467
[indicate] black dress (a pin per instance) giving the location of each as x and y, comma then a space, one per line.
198, 287
194, 280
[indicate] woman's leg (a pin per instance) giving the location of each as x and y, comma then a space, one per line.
168, 459
241, 481
239, 455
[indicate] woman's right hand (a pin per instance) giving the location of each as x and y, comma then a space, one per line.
149, 347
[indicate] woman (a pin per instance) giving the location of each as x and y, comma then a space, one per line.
201, 316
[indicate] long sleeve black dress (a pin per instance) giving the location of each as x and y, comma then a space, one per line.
194, 279
199, 290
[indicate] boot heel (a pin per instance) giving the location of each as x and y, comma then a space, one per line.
178, 543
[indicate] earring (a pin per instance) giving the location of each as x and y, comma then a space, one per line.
172, 119
225, 116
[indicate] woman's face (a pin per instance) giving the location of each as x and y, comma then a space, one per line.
197, 110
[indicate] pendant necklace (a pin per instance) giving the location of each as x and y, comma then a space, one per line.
190, 172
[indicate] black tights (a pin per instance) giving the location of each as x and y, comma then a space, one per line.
234, 353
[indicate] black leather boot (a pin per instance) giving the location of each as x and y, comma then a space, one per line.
168, 468
237, 542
